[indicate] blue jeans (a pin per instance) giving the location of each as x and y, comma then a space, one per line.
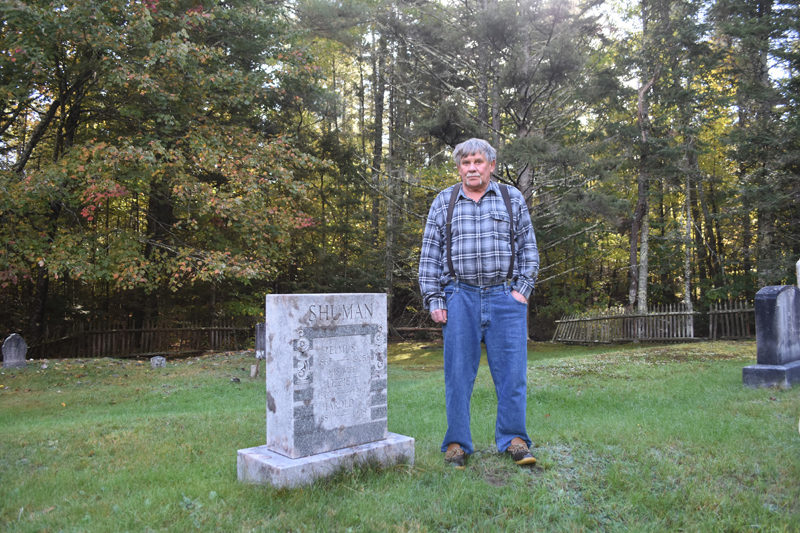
491, 315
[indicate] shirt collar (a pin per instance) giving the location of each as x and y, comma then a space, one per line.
493, 187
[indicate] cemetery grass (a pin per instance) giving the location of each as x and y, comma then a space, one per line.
640, 438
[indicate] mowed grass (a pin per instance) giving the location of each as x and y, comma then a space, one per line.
629, 438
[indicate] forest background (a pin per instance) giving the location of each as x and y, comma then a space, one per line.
181, 158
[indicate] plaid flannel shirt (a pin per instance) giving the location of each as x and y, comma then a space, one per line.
481, 244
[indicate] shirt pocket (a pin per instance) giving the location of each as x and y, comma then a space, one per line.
501, 225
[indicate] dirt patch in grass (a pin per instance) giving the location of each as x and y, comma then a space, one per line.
499, 470
693, 352
495, 468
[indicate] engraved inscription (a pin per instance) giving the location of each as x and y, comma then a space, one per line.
343, 380
334, 312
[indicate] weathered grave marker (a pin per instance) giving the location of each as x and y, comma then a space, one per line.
777, 338
158, 362
326, 390
260, 353
14, 350
261, 332
797, 269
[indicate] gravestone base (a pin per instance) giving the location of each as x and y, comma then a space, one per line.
261, 466
783, 376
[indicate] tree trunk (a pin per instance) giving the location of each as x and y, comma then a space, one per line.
769, 272
484, 60
702, 234
687, 257
160, 219
639, 227
379, 86
36, 136
639, 223
496, 122
38, 317
710, 234
765, 226
644, 253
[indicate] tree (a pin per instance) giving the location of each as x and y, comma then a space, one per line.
759, 35
154, 163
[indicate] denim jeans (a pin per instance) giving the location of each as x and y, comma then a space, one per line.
493, 316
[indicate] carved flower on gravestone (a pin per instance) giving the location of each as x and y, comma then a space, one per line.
380, 336
303, 372
302, 361
302, 345
377, 361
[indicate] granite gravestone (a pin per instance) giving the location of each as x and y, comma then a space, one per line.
261, 340
260, 353
777, 338
326, 390
14, 350
159, 361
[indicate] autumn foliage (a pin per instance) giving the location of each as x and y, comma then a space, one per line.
140, 155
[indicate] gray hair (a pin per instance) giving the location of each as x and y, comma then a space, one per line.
474, 146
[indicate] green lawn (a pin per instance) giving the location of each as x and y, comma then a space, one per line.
632, 438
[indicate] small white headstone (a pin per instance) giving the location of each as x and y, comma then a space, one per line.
14, 350
158, 362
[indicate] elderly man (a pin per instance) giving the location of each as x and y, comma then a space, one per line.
477, 269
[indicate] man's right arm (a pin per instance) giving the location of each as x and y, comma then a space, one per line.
431, 264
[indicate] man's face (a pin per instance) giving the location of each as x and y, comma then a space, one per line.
475, 172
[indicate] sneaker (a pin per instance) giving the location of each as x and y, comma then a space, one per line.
455, 456
521, 454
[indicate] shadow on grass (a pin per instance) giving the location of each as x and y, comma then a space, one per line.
428, 355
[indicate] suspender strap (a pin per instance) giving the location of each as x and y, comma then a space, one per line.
449, 228
507, 200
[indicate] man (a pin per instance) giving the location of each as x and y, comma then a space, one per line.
476, 274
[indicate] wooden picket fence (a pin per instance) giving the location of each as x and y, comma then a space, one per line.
662, 323
732, 320
148, 339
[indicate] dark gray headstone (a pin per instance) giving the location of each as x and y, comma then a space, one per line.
778, 325
14, 350
777, 338
261, 333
